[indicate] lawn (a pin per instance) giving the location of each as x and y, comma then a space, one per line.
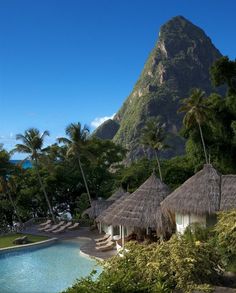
7, 240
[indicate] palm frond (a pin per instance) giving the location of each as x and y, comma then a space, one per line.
64, 140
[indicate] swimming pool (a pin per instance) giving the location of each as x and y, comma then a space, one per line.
44, 270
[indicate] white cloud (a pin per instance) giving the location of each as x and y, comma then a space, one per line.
8, 137
99, 120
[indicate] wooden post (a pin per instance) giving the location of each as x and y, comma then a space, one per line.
123, 236
100, 227
111, 232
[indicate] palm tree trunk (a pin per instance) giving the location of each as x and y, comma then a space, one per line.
203, 143
14, 207
44, 191
159, 165
85, 181
8, 194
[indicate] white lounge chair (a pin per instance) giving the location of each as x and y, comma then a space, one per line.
102, 243
54, 227
62, 228
45, 223
109, 246
74, 227
45, 227
104, 238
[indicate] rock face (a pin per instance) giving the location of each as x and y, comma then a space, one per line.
179, 62
108, 129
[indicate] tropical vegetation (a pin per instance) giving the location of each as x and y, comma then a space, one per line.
78, 168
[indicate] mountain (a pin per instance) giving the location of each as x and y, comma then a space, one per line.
179, 62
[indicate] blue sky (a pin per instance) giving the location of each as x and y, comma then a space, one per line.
77, 60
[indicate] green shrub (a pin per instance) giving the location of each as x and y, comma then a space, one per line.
226, 235
175, 264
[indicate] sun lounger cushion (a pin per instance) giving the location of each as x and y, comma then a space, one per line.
108, 246
105, 237
102, 243
45, 223
45, 227
74, 227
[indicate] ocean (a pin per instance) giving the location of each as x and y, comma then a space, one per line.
26, 165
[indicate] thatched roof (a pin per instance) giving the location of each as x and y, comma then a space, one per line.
142, 207
199, 195
116, 195
98, 206
106, 216
228, 192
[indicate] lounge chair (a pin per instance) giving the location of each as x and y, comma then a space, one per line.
104, 238
45, 227
109, 246
74, 227
68, 225
21, 240
45, 223
62, 228
102, 243
54, 227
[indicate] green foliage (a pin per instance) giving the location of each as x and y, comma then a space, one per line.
153, 134
223, 72
134, 175
175, 264
177, 170
226, 233
153, 137
219, 134
196, 232
61, 177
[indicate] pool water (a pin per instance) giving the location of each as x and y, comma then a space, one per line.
44, 270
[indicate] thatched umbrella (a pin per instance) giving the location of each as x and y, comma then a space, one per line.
228, 192
98, 206
199, 195
141, 209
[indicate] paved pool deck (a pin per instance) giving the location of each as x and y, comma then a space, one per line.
83, 232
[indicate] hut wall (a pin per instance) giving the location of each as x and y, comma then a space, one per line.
129, 230
183, 221
107, 229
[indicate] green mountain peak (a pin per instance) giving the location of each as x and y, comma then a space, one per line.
179, 62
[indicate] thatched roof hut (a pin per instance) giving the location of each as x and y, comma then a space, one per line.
141, 208
199, 195
228, 192
107, 215
98, 206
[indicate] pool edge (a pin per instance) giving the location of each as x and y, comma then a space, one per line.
90, 256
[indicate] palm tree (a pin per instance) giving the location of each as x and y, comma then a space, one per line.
153, 136
196, 112
75, 143
32, 143
5, 188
